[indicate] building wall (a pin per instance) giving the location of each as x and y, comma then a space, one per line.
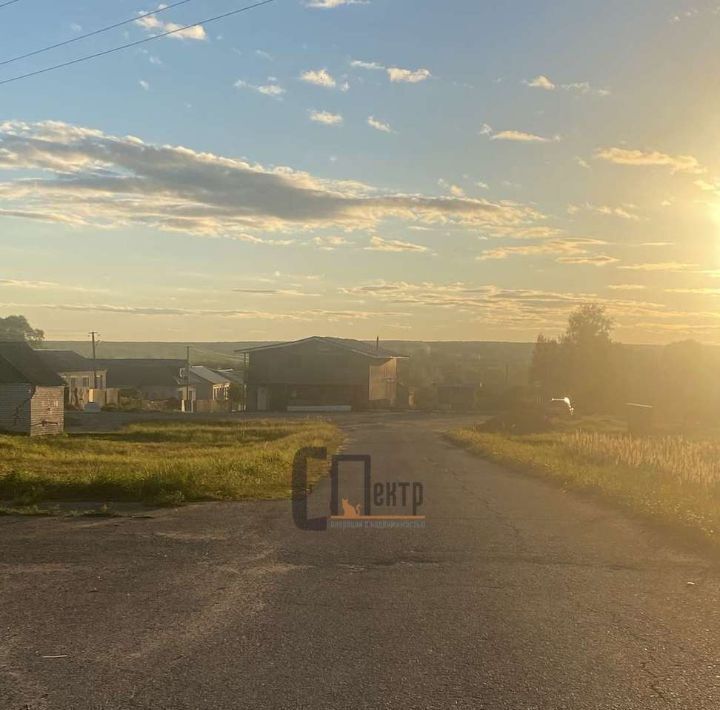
15, 407
47, 411
35, 411
84, 379
318, 374
383, 383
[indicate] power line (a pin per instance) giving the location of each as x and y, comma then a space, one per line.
135, 44
11, 2
91, 34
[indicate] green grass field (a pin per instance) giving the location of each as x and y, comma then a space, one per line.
668, 478
160, 462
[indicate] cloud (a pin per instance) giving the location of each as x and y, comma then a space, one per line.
669, 266
359, 64
524, 310
706, 186
273, 292
583, 87
395, 74
48, 286
622, 211
512, 135
19, 283
329, 119
270, 89
626, 287
454, 190
639, 158
522, 137
329, 243
410, 76
144, 84
85, 177
379, 125
541, 82
319, 77
590, 260
156, 26
315, 314
567, 251
330, 4
580, 87
393, 245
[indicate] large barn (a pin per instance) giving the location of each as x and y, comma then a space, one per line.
31, 394
321, 373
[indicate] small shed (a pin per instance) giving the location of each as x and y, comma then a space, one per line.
31, 394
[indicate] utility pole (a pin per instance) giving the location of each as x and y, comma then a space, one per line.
93, 335
187, 381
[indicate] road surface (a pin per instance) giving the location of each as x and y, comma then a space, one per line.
515, 595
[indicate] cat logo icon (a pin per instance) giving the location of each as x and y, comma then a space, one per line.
387, 504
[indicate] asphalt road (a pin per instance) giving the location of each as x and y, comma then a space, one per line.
515, 595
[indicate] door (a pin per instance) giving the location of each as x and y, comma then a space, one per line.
262, 399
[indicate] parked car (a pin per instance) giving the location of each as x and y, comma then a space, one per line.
560, 407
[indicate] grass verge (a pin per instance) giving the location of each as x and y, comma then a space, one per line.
161, 463
670, 479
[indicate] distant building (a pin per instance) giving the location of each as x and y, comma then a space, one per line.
84, 385
234, 375
237, 390
31, 394
212, 390
155, 380
321, 373
209, 384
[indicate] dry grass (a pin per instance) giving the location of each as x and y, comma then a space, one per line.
161, 462
669, 478
687, 461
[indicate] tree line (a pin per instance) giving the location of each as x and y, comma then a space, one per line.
681, 380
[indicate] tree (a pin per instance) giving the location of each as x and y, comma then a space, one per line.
18, 328
589, 357
690, 386
546, 367
582, 363
589, 326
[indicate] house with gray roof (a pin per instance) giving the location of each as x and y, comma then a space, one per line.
85, 383
209, 384
31, 393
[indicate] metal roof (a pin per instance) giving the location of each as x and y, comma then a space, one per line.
357, 346
124, 373
66, 361
205, 373
19, 363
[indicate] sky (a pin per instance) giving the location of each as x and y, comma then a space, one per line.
408, 169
